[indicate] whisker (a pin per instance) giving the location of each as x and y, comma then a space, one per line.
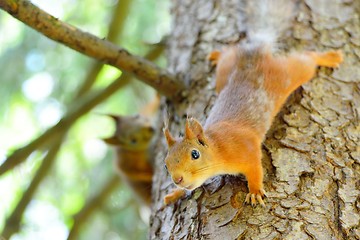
206, 168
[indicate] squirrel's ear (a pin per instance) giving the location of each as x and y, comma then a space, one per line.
111, 140
169, 139
193, 129
117, 119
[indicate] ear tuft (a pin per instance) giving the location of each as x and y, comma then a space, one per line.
193, 129
117, 119
111, 140
169, 139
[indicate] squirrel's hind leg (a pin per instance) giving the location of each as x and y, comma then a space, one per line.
327, 59
301, 67
224, 61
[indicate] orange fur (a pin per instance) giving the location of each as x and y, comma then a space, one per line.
225, 62
252, 84
174, 196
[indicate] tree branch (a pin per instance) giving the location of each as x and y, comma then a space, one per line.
93, 204
118, 21
84, 104
13, 221
55, 136
115, 29
92, 46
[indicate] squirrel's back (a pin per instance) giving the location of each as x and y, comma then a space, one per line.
244, 98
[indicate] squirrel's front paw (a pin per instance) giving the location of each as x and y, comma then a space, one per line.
213, 57
257, 196
174, 196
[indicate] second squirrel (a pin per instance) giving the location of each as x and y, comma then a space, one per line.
133, 142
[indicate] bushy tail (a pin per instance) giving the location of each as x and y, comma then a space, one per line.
266, 20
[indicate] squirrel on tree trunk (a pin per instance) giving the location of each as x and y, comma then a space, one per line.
252, 85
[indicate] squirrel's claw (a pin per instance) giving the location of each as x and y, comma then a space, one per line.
263, 193
260, 200
252, 198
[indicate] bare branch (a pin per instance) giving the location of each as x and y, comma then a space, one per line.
118, 21
115, 29
13, 221
93, 204
92, 46
55, 136
83, 105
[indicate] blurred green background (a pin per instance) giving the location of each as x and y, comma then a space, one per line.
39, 81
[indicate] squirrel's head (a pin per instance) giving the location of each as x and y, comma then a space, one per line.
132, 132
189, 159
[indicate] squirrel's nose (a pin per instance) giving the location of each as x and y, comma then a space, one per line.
178, 180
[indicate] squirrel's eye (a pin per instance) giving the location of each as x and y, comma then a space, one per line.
195, 154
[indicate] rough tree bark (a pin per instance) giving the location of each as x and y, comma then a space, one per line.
312, 152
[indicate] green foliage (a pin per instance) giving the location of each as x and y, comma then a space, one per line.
39, 80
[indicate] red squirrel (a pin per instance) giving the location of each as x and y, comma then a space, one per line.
133, 143
252, 85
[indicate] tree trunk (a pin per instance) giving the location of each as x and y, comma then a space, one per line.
311, 156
